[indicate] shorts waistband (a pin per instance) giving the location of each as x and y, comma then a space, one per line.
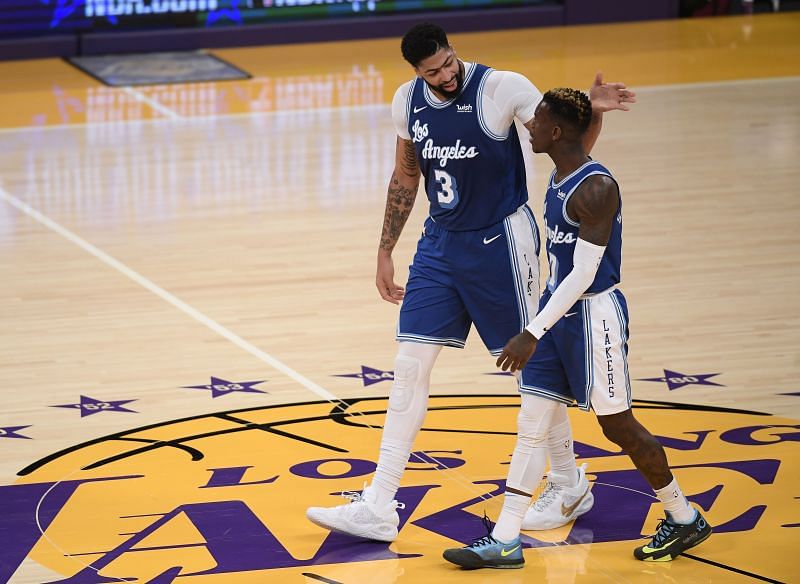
593, 294
430, 225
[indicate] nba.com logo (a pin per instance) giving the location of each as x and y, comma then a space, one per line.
95, 8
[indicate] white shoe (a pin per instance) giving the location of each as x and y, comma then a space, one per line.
559, 504
359, 517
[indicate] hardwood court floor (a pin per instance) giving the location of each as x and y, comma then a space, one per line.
185, 251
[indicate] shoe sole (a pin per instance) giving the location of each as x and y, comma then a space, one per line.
669, 556
475, 563
362, 535
585, 506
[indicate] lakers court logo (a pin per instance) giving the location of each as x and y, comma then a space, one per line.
222, 498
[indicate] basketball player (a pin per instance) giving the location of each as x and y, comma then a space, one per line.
477, 259
579, 343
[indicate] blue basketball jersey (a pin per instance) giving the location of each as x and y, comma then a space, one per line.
473, 178
562, 232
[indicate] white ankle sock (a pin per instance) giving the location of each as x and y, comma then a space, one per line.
391, 464
508, 524
560, 447
675, 503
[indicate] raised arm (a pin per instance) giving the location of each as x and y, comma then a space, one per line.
605, 97
399, 201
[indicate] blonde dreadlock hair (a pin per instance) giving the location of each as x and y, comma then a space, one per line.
571, 106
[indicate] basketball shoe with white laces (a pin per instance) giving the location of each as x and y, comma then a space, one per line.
359, 517
558, 504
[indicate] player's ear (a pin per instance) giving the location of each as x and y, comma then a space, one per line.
556, 133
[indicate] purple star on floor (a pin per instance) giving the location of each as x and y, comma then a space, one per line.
219, 386
675, 380
11, 432
89, 406
370, 375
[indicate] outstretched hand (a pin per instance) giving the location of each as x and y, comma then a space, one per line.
610, 96
517, 352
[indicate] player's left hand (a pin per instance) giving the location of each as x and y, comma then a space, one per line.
517, 352
610, 96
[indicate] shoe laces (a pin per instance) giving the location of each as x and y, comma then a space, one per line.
487, 539
551, 491
664, 531
356, 497
353, 496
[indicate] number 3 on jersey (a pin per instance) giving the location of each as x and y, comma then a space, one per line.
448, 196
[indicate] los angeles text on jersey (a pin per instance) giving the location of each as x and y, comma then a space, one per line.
444, 153
219, 495
556, 236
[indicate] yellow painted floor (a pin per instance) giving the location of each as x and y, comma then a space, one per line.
51, 92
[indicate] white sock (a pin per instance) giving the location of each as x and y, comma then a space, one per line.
527, 464
391, 464
560, 447
408, 404
508, 524
675, 503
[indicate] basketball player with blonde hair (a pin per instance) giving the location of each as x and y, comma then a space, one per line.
579, 344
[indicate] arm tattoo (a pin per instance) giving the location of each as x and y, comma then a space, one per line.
408, 164
399, 202
401, 194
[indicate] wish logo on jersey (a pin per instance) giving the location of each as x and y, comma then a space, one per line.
225, 494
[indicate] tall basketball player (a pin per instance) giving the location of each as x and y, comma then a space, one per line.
477, 260
579, 342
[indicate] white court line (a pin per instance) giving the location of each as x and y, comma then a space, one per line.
713, 84
141, 97
194, 119
167, 296
174, 116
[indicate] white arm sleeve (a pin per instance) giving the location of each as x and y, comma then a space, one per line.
585, 260
399, 111
508, 95
521, 94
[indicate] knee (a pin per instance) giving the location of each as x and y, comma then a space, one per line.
533, 421
406, 383
619, 428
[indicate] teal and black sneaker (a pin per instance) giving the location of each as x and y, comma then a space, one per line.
671, 539
487, 552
